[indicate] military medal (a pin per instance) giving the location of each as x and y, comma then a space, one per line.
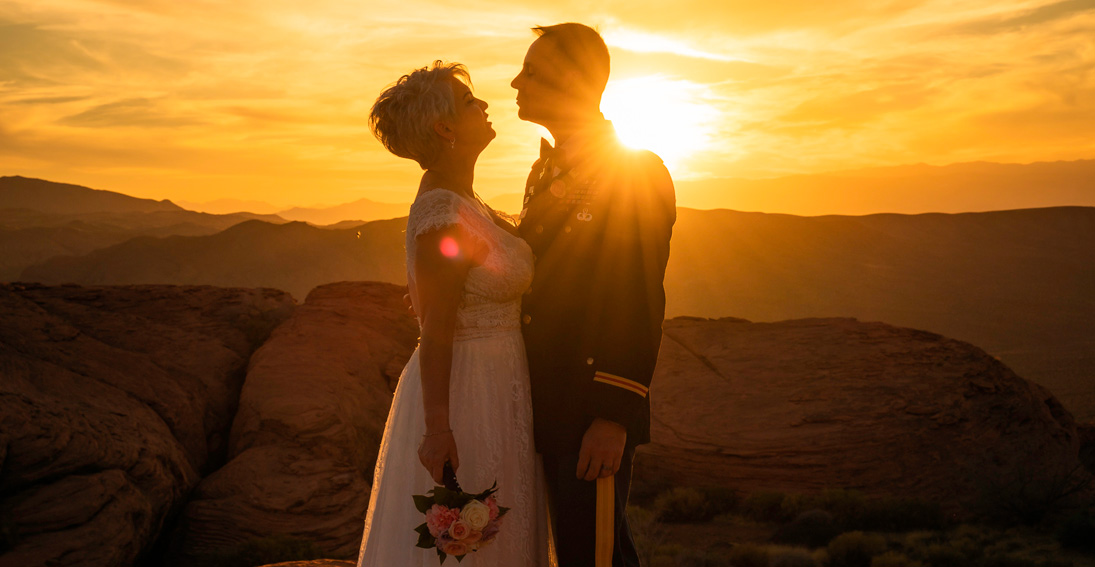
558, 188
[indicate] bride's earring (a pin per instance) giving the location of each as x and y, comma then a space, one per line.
452, 143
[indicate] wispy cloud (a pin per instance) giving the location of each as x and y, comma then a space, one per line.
201, 99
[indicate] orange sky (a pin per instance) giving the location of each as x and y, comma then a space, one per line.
267, 100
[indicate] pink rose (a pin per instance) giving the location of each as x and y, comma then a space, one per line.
492, 505
439, 518
455, 548
459, 530
473, 537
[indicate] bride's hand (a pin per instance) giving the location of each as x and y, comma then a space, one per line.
434, 450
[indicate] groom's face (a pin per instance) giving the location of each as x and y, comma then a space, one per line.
541, 94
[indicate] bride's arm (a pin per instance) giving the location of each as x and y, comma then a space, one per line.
441, 263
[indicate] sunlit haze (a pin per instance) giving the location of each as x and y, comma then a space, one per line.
267, 101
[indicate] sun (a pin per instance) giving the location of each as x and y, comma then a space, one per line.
666, 116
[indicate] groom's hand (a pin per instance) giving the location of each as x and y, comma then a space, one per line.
602, 449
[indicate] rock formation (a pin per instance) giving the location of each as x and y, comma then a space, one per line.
310, 419
810, 404
113, 403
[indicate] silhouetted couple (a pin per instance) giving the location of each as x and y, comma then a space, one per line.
539, 335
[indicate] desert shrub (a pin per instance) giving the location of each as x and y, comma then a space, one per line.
1028, 494
263, 551
667, 553
681, 505
852, 510
844, 505
1078, 531
898, 515
791, 557
1008, 560
894, 559
647, 531
645, 490
721, 500
748, 555
920, 539
764, 506
702, 558
945, 555
855, 549
812, 528
7, 533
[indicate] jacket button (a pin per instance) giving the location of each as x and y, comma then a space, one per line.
589, 361
526, 319
540, 229
566, 229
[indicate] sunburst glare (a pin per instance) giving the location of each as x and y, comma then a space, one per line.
666, 116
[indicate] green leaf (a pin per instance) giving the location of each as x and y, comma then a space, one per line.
442, 555
425, 540
423, 503
483, 495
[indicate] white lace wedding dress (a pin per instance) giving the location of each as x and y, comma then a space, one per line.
489, 405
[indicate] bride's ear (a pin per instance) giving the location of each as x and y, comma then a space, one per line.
444, 130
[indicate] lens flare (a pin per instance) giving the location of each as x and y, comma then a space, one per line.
449, 247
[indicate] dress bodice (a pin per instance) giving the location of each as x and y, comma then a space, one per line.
491, 302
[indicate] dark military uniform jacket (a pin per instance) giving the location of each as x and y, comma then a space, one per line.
599, 225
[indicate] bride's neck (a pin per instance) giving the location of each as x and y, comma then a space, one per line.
451, 174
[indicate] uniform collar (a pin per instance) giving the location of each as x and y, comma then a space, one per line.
592, 138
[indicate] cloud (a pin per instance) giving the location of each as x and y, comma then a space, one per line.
1025, 19
129, 113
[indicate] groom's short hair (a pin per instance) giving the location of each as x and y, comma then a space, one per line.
582, 48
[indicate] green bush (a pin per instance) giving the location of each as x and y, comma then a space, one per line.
898, 515
1078, 531
945, 555
263, 551
894, 559
1027, 493
855, 549
702, 558
749, 555
765, 507
647, 531
812, 528
791, 557
721, 500
7, 533
852, 510
1008, 560
681, 505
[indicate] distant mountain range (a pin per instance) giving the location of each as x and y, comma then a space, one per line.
910, 189
41, 219
1019, 284
360, 210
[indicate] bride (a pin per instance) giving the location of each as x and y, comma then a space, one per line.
464, 395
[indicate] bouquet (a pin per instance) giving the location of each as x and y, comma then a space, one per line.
458, 523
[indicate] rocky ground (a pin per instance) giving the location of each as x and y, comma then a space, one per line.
131, 437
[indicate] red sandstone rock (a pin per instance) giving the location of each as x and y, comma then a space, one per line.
310, 419
810, 404
112, 403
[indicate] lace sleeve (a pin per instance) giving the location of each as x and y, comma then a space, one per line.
435, 209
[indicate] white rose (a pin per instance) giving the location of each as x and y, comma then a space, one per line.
475, 514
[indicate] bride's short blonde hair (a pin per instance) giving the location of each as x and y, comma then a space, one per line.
403, 115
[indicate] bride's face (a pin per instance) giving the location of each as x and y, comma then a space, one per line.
471, 127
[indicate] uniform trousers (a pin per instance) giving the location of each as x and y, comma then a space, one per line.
573, 503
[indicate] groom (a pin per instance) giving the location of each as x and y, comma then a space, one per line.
598, 217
